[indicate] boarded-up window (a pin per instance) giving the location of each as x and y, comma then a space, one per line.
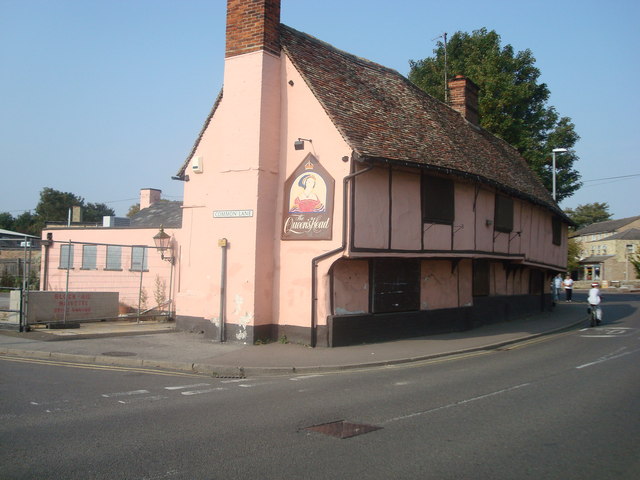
66, 256
556, 228
396, 285
481, 271
114, 258
89, 257
139, 259
437, 200
503, 219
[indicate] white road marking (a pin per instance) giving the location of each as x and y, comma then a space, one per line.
606, 358
182, 387
608, 332
457, 404
208, 390
123, 394
304, 377
143, 399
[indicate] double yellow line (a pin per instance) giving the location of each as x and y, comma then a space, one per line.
87, 366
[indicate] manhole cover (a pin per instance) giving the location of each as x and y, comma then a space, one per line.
119, 354
342, 429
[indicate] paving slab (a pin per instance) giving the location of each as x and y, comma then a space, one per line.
159, 345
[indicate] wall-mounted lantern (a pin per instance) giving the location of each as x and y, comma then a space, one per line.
163, 244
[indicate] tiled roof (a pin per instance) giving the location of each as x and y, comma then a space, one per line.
168, 214
384, 117
596, 259
605, 227
631, 234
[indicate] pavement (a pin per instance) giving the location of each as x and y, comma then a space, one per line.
159, 345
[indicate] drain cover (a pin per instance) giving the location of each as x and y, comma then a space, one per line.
342, 429
119, 354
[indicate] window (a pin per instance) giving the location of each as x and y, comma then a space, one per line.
481, 270
396, 285
503, 219
437, 200
89, 256
139, 259
114, 258
556, 229
66, 256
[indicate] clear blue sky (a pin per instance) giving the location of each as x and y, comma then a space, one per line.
104, 97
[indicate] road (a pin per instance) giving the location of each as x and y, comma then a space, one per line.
565, 406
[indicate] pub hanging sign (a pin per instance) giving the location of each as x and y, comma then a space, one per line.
308, 202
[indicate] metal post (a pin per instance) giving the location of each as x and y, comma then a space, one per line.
553, 153
553, 167
26, 274
66, 288
170, 288
21, 320
144, 249
223, 243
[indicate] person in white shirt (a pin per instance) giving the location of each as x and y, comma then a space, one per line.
556, 285
594, 300
568, 288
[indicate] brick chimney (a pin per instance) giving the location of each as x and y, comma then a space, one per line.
149, 196
253, 25
463, 95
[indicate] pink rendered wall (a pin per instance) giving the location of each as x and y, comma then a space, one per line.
498, 279
238, 151
268, 279
464, 232
484, 212
304, 117
351, 287
472, 229
465, 288
439, 285
371, 226
405, 217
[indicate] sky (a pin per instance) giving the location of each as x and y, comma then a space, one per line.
104, 97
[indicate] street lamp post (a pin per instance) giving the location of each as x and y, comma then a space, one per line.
553, 167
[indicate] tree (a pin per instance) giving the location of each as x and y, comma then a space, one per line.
93, 212
574, 249
133, 209
513, 106
27, 223
6, 221
54, 205
634, 258
589, 213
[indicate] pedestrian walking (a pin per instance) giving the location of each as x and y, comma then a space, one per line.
556, 285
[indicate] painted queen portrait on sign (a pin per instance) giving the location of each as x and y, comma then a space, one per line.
308, 194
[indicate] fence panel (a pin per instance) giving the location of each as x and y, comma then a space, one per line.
136, 272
